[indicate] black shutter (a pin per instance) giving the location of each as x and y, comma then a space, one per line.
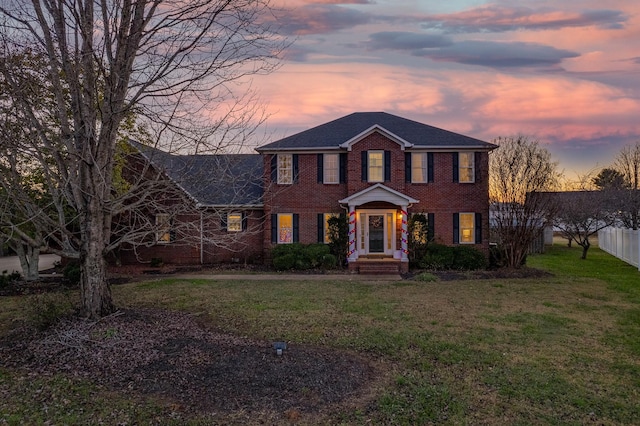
223, 221
245, 221
365, 166
274, 228
274, 168
407, 167
429, 166
478, 228
343, 167
456, 177
320, 168
321, 227
476, 166
295, 167
387, 166
431, 227
456, 228
296, 228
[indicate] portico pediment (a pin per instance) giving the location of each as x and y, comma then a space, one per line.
378, 192
379, 129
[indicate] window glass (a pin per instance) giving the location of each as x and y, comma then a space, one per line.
163, 236
467, 224
466, 167
418, 167
285, 228
376, 166
285, 169
331, 168
234, 222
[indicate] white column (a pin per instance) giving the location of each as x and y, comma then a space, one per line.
352, 255
404, 217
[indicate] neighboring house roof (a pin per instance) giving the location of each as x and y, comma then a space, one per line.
342, 132
212, 180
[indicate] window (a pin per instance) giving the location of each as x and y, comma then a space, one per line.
323, 226
466, 165
285, 169
285, 228
419, 163
163, 228
234, 222
376, 166
331, 168
467, 228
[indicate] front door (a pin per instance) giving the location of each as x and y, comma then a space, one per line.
376, 233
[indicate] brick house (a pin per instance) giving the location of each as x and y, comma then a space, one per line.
377, 169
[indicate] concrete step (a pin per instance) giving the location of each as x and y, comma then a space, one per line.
378, 268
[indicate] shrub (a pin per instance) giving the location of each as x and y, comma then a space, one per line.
338, 228
71, 273
426, 277
7, 279
462, 258
302, 256
284, 262
45, 310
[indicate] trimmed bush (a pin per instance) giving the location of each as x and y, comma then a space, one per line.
461, 258
8, 279
302, 256
71, 273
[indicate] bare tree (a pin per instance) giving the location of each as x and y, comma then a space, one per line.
628, 165
519, 169
176, 65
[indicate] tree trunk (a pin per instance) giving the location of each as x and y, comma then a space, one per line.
94, 287
29, 258
585, 248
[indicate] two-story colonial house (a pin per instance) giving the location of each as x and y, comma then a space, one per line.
377, 169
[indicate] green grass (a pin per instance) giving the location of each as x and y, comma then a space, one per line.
559, 350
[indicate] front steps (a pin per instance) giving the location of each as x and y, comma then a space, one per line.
378, 267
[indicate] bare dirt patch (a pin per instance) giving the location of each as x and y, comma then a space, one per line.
172, 355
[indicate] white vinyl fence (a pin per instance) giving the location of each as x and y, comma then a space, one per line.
621, 243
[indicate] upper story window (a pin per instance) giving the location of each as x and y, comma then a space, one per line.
419, 168
285, 169
466, 167
331, 168
376, 166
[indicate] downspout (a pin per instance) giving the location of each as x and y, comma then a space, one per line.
201, 238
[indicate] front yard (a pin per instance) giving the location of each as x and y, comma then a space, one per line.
563, 349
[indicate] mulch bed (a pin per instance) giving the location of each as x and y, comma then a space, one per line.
172, 355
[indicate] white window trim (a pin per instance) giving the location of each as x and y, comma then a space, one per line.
280, 215
237, 221
425, 167
326, 169
369, 179
285, 179
472, 167
473, 228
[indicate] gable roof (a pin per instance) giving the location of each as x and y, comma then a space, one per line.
212, 180
378, 192
342, 131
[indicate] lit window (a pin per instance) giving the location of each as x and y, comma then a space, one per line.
331, 168
285, 228
466, 167
163, 224
234, 222
419, 167
285, 169
376, 166
467, 228
327, 216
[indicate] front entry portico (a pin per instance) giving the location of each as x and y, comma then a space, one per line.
373, 231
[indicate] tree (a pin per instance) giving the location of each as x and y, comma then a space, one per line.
609, 178
518, 170
628, 165
174, 64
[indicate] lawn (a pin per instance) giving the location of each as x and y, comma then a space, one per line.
558, 350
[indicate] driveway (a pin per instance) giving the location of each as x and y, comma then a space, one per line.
11, 263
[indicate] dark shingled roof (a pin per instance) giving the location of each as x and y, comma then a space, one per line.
212, 180
336, 132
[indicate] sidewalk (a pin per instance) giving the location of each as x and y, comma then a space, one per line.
12, 263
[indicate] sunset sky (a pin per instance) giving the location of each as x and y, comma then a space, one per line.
564, 72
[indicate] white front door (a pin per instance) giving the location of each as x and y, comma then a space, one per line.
377, 232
